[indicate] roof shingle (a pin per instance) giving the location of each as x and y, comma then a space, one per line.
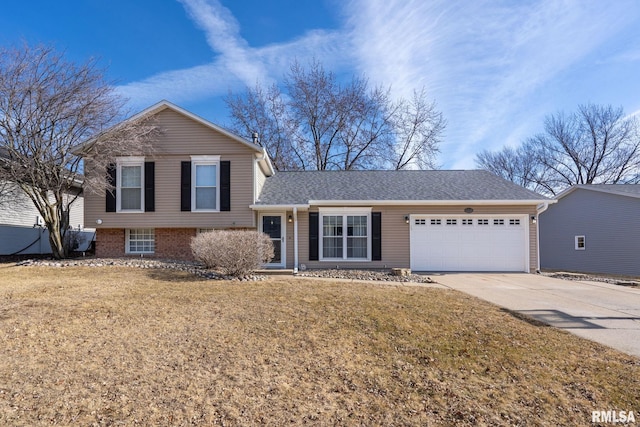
300, 187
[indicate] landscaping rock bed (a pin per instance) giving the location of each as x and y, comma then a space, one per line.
593, 278
190, 267
380, 275
199, 270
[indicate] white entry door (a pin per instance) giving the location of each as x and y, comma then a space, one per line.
274, 226
469, 243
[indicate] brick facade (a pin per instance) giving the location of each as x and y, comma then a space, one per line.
109, 242
170, 243
174, 243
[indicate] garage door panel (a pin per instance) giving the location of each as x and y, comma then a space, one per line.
472, 246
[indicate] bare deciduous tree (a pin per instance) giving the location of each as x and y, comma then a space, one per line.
519, 165
318, 123
596, 144
418, 127
48, 108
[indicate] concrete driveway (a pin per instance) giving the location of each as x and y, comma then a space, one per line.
608, 314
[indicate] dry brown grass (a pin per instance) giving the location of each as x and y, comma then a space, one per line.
122, 346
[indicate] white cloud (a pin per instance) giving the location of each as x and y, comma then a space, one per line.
484, 62
235, 63
480, 60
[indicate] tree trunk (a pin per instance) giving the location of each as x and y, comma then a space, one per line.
57, 224
57, 242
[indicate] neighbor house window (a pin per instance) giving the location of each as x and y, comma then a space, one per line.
130, 182
140, 241
345, 235
205, 177
580, 243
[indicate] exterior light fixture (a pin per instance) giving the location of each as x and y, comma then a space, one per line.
534, 219
290, 218
98, 221
406, 219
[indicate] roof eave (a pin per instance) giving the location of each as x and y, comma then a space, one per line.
590, 187
280, 207
521, 202
305, 206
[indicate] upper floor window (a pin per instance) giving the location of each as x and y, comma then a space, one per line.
130, 184
205, 177
579, 243
133, 181
205, 184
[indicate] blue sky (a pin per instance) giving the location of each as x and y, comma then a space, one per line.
495, 68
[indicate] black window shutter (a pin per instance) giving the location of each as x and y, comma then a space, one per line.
111, 193
225, 185
314, 219
185, 187
149, 186
376, 236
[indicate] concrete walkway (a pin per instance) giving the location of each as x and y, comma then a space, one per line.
608, 314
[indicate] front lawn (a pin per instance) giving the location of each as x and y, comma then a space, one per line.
126, 346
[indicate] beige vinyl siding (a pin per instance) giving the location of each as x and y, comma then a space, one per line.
180, 139
395, 234
180, 135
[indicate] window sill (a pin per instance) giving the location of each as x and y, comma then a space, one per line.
130, 211
205, 210
345, 260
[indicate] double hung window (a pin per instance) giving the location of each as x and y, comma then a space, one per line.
205, 195
129, 188
345, 235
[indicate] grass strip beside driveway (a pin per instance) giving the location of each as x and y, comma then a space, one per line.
133, 346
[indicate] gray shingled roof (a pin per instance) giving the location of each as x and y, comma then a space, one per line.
298, 188
622, 189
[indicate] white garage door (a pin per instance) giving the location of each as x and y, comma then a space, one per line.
469, 243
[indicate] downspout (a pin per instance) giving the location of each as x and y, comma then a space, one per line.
540, 209
295, 240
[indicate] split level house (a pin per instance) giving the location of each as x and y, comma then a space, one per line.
202, 177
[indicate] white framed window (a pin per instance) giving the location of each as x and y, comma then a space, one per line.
140, 241
130, 184
205, 178
580, 243
345, 234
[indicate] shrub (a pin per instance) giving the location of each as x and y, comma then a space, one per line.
232, 252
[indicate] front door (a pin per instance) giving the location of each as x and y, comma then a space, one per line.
272, 226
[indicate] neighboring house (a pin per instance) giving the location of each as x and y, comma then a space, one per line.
201, 177
22, 230
593, 229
